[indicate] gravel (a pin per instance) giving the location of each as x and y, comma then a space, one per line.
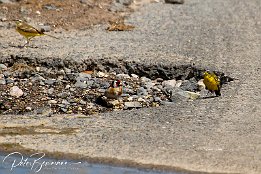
67, 91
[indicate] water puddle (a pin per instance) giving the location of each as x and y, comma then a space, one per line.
16, 163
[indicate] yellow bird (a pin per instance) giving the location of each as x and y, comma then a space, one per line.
212, 83
29, 31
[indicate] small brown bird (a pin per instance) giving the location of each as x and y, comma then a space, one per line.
114, 91
29, 31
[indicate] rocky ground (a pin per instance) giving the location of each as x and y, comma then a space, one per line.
28, 89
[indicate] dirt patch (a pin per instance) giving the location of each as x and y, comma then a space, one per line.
69, 14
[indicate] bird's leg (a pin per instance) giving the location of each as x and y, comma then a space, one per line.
27, 42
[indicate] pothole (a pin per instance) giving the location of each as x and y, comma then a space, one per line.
55, 86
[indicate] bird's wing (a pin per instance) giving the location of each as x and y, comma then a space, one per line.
30, 29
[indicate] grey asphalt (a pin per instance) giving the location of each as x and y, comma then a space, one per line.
220, 134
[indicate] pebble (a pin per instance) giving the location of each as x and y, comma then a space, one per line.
132, 105
45, 28
65, 102
142, 91
135, 76
189, 94
3, 67
2, 82
122, 76
52, 102
28, 108
50, 81
67, 86
79, 84
15, 91
83, 102
178, 84
145, 79
169, 83
2, 79
10, 80
85, 75
50, 91
141, 99
157, 99
101, 74
50, 7
201, 85
189, 85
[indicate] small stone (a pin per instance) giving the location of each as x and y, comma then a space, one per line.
63, 94
157, 99
45, 28
178, 84
141, 99
28, 108
67, 87
37, 78
189, 85
9, 80
201, 85
50, 91
148, 85
37, 68
91, 82
38, 12
2, 79
65, 102
122, 76
83, 102
44, 111
80, 108
52, 102
189, 94
132, 105
2, 82
114, 102
79, 84
130, 98
50, 81
15, 91
50, 7
142, 91
101, 74
134, 76
67, 70
72, 89
145, 79
85, 75
169, 83
101, 90
64, 110
3, 67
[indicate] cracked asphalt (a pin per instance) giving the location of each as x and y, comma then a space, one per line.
219, 135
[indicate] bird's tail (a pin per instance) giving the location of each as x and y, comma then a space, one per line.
51, 36
217, 92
